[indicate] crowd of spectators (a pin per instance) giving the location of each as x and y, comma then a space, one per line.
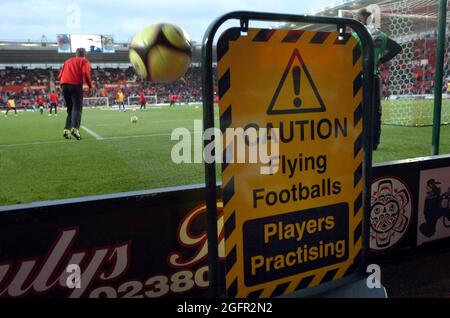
418, 59
39, 82
412, 72
19, 76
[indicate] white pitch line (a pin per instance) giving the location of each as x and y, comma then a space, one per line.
34, 143
152, 122
86, 140
92, 133
143, 136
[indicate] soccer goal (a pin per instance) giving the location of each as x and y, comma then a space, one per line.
96, 101
408, 80
136, 100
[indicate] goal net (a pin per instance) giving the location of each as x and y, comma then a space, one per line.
408, 80
136, 100
96, 101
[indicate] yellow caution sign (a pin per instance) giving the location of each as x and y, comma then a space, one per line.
300, 225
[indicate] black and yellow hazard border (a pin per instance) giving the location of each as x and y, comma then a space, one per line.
362, 116
313, 277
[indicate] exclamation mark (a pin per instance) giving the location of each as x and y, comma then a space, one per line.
296, 79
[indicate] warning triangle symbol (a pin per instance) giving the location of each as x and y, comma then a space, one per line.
296, 92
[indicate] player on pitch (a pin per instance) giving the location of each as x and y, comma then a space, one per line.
385, 50
11, 105
74, 72
40, 101
120, 97
142, 100
53, 103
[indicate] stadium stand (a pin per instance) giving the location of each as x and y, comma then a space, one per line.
29, 69
27, 84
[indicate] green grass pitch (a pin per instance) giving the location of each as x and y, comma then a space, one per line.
37, 164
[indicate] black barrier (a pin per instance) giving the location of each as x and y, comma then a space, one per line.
418, 191
154, 243
393, 182
208, 118
138, 244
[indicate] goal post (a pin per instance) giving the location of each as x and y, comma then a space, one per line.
407, 80
96, 101
136, 100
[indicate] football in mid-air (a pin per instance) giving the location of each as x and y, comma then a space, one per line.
134, 119
161, 53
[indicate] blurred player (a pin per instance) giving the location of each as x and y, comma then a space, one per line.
40, 103
172, 100
120, 97
74, 72
53, 103
142, 99
11, 105
385, 50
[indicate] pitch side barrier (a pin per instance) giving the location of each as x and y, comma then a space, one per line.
153, 243
135, 244
410, 207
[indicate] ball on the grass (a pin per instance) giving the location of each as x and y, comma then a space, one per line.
161, 53
134, 119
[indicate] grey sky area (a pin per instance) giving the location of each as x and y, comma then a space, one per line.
30, 19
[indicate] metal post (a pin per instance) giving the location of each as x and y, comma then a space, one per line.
438, 77
210, 172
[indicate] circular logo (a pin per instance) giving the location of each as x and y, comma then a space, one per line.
390, 212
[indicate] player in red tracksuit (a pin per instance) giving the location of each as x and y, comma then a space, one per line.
40, 102
172, 100
53, 103
142, 99
74, 72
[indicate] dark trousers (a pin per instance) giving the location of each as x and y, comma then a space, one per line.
143, 104
73, 96
377, 113
8, 109
53, 106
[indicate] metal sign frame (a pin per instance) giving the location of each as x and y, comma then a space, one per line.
244, 17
